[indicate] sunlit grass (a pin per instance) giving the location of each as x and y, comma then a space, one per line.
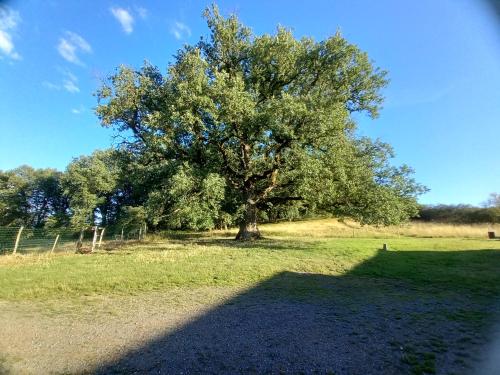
336, 228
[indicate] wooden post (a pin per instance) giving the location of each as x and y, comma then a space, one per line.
122, 235
140, 233
94, 240
491, 235
385, 247
55, 244
18, 238
100, 238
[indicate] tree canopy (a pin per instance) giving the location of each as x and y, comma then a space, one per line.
252, 123
32, 197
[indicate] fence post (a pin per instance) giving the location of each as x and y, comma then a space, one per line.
100, 238
94, 240
121, 238
55, 244
140, 233
18, 238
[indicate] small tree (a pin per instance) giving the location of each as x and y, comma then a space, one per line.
270, 114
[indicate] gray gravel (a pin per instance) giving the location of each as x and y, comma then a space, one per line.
347, 326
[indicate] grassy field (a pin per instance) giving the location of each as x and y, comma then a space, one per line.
454, 270
214, 259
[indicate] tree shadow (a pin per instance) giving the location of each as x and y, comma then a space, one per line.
408, 312
186, 240
262, 243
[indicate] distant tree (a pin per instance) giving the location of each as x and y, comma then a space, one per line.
271, 115
131, 218
493, 200
15, 190
460, 213
493, 205
32, 197
47, 201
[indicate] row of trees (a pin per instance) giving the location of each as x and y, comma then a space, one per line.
112, 188
115, 188
241, 128
466, 214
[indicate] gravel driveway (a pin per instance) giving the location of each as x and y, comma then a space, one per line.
343, 326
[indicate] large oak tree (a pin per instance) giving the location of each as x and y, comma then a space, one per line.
270, 114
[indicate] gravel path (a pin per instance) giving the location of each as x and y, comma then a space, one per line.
354, 326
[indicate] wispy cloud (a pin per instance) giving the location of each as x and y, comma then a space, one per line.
78, 111
69, 83
9, 19
180, 30
124, 17
70, 86
50, 85
71, 45
142, 12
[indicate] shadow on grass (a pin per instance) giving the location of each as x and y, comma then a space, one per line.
411, 312
185, 240
263, 243
191, 236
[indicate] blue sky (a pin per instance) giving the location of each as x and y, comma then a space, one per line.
442, 108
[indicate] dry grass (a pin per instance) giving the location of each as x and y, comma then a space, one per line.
334, 228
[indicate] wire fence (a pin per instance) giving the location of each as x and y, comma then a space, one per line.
23, 240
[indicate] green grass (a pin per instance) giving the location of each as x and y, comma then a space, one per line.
198, 261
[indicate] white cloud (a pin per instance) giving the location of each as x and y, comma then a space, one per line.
69, 83
6, 44
180, 30
71, 45
124, 17
9, 19
70, 86
67, 51
79, 42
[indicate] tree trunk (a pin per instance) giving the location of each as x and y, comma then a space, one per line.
248, 226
